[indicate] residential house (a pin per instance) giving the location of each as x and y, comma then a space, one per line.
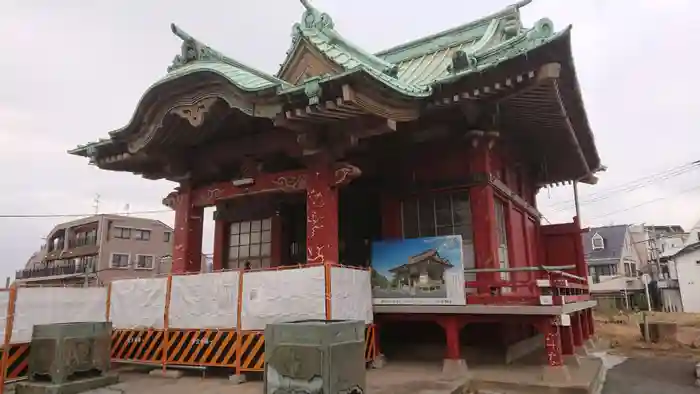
99, 249
613, 263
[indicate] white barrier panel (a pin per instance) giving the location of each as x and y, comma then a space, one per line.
4, 300
50, 305
204, 301
282, 296
138, 303
351, 294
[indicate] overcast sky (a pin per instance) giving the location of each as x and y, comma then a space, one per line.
70, 71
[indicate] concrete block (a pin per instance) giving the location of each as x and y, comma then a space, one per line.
454, 369
167, 374
697, 370
581, 351
556, 374
237, 379
379, 362
572, 360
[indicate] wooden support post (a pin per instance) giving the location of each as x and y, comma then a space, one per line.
482, 201
576, 321
187, 249
591, 322
567, 340
166, 321
9, 323
322, 220
552, 341
452, 326
220, 235
585, 328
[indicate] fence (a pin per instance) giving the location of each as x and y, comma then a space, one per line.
199, 320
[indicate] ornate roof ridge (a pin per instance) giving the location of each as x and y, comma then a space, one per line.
317, 24
509, 11
193, 50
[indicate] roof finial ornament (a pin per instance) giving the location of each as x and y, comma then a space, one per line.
191, 50
315, 19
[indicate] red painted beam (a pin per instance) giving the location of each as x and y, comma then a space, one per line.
286, 182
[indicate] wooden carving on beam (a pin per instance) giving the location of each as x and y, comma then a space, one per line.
172, 199
345, 173
194, 113
291, 183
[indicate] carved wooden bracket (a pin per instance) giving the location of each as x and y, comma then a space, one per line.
345, 173
194, 113
481, 137
172, 200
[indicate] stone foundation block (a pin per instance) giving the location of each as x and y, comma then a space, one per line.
237, 379
167, 374
379, 362
556, 374
454, 369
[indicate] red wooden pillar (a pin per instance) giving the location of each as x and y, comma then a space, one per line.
590, 321
576, 320
220, 244
452, 326
567, 340
187, 249
483, 213
321, 214
552, 342
585, 328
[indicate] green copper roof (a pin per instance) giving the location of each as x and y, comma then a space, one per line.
197, 57
419, 65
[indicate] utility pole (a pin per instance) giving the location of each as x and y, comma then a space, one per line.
126, 209
96, 203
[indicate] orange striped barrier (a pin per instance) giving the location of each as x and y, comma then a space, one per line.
143, 346
213, 348
17, 362
252, 347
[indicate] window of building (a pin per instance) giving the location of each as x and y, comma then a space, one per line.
502, 236
84, 238
441, 214
119, 260
142, 235
122, 233
167, 236
144, 262
250, 242
628, 269
605, 270
598, 242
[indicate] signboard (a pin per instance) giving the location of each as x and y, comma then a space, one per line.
418, 271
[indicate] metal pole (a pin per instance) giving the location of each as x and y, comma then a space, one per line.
576, 203
646, 290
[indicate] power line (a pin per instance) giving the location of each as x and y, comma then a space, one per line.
647, 203
630, 186
75, 215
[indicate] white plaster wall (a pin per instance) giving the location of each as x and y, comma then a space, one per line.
689, 280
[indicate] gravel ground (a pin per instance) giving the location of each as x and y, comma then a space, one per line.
652, 376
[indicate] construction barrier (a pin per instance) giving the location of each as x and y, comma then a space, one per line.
200, 320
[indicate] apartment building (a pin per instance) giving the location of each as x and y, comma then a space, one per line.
99, 249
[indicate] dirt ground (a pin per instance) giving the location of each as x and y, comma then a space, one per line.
623, 333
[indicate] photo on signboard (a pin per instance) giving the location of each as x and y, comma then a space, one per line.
418, 271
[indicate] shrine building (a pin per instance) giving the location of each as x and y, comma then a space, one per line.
450, 134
